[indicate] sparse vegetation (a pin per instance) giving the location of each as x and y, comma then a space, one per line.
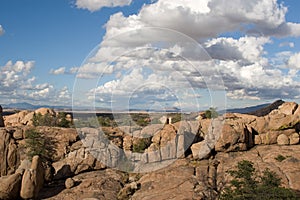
141, 145
211, 113
176, 117
39, 144
50, 120
246, 184
285, 127
280, 158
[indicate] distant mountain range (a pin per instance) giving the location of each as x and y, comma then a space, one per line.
258, 110
28, 106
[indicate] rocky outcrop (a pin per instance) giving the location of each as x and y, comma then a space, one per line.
241, 132
25, 117
33, 179
76, 162
285, 117
104, 184
1, 117
203, 149
234, 136
175, 182
9, 157
266, 110
267, 156
283, 140
19, 119
10, 186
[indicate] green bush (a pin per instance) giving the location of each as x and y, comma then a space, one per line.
38, 144
141, 145
211, 113
247, 185
49, 120
280, 158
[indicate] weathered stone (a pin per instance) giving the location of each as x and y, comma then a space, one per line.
128, 190
69, 183
33, 179
294, 139
283, 140
174, 182
18, 134
10, 186
127, 142
154, 153
44, 111
49, 172
257, 140
16, 119
104, 184
201, 150
25, 164
151, 130
234, 136
8, 153
1, 117
270, 137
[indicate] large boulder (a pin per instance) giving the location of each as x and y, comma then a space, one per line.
10, 186
285, 116
76, 162
9, 158
234, 136
201, 150
174, 182
33, 179
17, 119
294, 138
44, 111
283, 140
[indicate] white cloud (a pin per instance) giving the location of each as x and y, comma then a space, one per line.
93, 5
63, 70
245, 48
1, 30
289, 44
58, 71
17, 84
154, 39
294, 61
208, 19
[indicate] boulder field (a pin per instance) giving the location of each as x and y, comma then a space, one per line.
171, 161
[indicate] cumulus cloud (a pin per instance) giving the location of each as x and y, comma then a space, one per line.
93, 5
294, 61
209, 18
140, 51
1, 30
244, 48
63, 70
17, 83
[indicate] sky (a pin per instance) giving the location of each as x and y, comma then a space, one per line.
154, 54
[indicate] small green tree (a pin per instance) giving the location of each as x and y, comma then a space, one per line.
211, 113
35, 144
62, 120
49, 120
247, 185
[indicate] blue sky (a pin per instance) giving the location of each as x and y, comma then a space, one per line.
135, 54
